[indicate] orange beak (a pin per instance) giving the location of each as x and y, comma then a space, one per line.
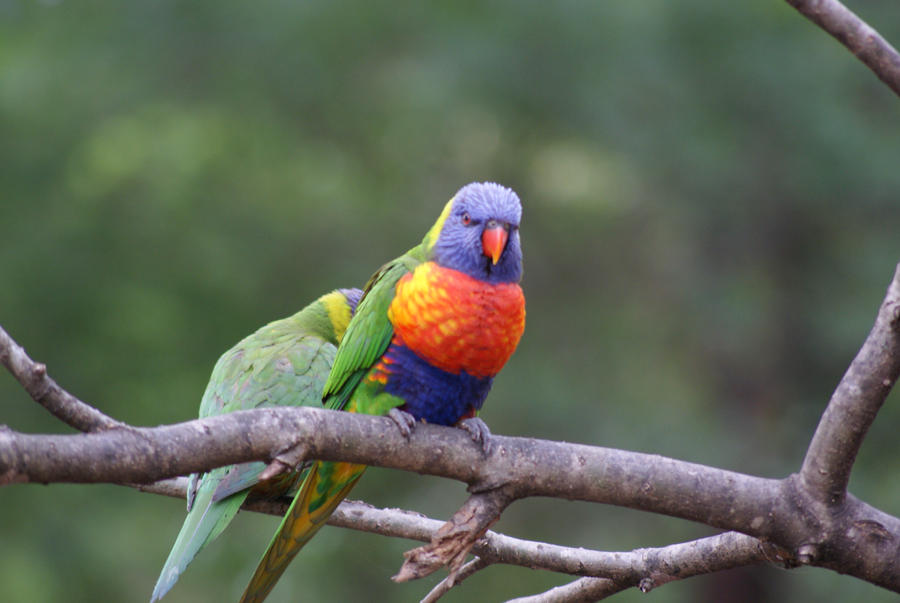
493, 240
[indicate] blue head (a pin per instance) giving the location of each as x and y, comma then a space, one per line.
478, 233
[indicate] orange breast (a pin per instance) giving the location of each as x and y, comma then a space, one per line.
456, 322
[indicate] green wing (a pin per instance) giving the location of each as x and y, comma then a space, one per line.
284, 363
368, 334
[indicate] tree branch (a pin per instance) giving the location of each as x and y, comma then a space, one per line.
583, 590
443, 587
648, 568
644, 568
854, 404
44, 390
859, 540
854, 33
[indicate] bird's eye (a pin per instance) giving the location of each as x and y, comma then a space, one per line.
466, 218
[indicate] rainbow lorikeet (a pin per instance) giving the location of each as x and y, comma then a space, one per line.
431, 331
284, 363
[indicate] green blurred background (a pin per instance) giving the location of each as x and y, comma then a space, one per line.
710, 220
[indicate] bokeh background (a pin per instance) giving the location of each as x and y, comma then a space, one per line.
710, 221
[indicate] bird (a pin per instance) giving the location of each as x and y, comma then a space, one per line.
433, 328
284, 363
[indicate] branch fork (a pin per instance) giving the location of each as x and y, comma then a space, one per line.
451, 544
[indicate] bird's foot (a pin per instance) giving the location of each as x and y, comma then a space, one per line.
193, 484
480, 433
404, 421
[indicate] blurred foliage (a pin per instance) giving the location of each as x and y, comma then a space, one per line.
710, 195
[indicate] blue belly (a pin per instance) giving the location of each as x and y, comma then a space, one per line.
430, 393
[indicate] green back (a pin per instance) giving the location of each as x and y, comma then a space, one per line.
283, 363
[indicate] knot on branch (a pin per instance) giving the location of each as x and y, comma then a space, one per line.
38, 386
895, 316
807, 553
870, 530
778, 555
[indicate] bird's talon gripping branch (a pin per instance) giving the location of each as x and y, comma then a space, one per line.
480, 433
404, 421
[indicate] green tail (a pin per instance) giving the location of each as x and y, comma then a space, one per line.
205, 521
326, 485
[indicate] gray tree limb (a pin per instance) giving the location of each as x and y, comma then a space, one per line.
443, 587
854, 405
649, 568
854, 33
583, 590
34, 379
853, 537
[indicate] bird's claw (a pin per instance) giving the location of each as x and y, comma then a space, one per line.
193, 484
479, 432
404, 421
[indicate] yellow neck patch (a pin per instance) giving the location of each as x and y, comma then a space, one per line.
338, 313
434, 232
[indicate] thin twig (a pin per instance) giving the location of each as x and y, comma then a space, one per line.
854, 33
44, 390
854, 404
583, 590
443, 587
651, 568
